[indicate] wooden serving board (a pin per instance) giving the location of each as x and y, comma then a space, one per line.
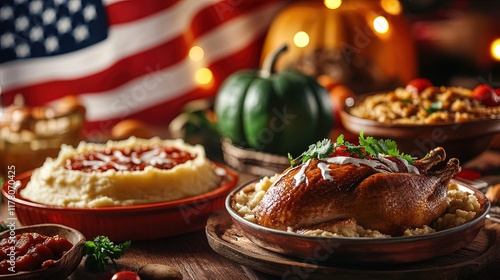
225, 239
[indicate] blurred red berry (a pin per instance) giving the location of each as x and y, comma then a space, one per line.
418, 85
125, 275
486, 94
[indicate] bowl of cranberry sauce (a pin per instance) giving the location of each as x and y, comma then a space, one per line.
45, 251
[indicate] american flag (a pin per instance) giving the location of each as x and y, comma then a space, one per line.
126, 59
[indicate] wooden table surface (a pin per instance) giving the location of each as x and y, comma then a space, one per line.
192, 256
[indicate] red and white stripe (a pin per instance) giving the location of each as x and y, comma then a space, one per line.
142, 70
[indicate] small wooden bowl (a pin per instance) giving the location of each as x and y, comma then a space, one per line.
64, 266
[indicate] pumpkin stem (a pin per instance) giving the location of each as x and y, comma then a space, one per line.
270, 62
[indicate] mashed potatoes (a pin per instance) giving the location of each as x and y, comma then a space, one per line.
119, 173
462, 208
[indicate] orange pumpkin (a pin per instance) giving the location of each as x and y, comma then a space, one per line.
347, 43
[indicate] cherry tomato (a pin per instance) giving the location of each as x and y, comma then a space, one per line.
486, 94
418, 85
126, 275
497, 96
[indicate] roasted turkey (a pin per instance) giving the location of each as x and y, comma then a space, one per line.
385, 194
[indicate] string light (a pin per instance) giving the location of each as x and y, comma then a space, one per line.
495, 49
333, 4
301, 39
204, 76
381, 25
196, 53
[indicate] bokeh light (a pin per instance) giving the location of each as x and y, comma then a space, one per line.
196, 53
301, 39
392, 7
381, 25
495, 49
204, 76
333, 4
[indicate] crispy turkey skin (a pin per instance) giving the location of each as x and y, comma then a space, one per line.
385, 194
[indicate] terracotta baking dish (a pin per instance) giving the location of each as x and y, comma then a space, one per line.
138, 222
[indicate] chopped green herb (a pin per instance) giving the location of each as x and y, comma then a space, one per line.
435, 106
381, 147
368, 147
101, 250
320, 150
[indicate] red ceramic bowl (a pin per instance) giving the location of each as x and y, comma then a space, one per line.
138, 222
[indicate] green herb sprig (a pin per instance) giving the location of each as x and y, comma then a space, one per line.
100, 251
319, 150
368, 147
381, 147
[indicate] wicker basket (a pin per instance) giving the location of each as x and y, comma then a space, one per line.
253, 162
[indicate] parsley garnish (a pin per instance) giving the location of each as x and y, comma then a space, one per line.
381, 147
320, 150
368, 147
100, 251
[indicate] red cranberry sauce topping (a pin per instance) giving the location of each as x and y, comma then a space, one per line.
130, 159
30, 251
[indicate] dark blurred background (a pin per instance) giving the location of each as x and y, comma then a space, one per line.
458, 41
